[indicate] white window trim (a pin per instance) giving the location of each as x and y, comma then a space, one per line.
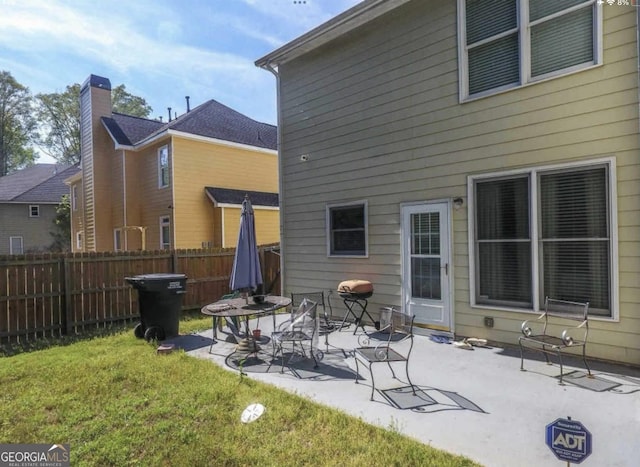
31, 208
160, 181
165, 221
365, 205
533, 171
11, 239
524, 51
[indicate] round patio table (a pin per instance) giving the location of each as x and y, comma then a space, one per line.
243, 308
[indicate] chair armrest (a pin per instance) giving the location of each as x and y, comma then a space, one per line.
568, 340
526, 325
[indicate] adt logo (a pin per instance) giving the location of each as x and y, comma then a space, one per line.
569, 440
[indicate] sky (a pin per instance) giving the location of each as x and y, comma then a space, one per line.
161, 50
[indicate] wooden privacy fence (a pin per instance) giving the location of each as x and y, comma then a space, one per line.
50, 295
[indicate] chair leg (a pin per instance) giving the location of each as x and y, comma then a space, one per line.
561, 367
521, 355
373, 383
413, 388
584, 359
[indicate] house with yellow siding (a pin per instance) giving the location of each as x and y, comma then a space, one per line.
469, 158
146, 184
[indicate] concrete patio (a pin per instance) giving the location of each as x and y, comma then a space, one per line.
476, 403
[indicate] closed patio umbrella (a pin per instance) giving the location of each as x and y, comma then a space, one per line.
246, 274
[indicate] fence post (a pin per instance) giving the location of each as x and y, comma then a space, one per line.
66, 297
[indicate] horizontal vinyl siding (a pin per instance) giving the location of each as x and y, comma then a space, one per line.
200, 164
378, 114
153, 202
267, 223
35, 231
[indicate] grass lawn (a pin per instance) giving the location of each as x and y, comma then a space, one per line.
118, 403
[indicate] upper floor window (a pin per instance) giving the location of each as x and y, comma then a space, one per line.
544, 232
347, 229
79, 241
163, 167
510, 43
34, 210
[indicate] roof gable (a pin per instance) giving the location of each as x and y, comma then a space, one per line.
360, 14
40, 183
127, 130
211, 119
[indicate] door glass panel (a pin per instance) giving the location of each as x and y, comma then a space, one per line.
425, 256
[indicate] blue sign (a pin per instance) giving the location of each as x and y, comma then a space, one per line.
569, 440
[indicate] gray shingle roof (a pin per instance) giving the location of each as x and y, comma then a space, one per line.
40, 183
128, 130
230, 196
211, 119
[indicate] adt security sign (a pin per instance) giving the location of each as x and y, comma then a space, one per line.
569, 440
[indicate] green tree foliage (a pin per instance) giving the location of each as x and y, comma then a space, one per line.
17, 125
59, 114
62, 226
125, 103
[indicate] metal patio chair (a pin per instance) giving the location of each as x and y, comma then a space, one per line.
327, 325
299, 335
396, 330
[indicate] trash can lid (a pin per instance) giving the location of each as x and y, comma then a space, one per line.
160, 276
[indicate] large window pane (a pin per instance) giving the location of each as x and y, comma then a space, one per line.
494, 64
578, 271
575, 237
487, 18
541, 8
503, 242
505, 274
573, 31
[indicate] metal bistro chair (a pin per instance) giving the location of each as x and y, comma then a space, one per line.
297, 333
231, 322
398, 328
325, 322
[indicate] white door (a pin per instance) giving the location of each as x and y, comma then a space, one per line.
426, 264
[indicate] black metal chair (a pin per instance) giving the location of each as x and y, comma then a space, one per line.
298, 335
396, 332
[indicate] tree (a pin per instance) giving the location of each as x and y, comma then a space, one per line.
59, 114
17, 125
128, 104
62, 226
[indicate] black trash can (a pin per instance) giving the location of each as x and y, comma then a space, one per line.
160, 302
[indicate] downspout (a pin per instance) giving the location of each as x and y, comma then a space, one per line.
273, 69
124, 235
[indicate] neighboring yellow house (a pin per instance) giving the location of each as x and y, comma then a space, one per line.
469, 158
148, 184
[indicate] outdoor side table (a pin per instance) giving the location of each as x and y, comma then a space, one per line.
238, 307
